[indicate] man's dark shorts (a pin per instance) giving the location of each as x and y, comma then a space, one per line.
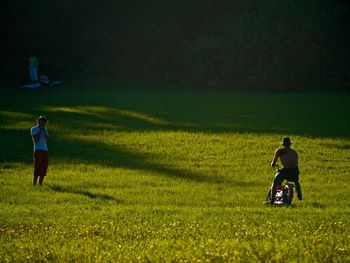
291, 175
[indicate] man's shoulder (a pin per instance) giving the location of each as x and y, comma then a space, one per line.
294, 151
287, 151
281, 151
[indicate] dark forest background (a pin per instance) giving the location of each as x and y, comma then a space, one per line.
243, 45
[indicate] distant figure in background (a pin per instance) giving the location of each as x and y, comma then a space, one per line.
289, 171
33, 67
44, 80
40, 138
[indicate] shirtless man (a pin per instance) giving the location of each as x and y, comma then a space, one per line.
289, 171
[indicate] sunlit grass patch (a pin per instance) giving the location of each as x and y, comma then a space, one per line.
15, 115
164, 176
107, 112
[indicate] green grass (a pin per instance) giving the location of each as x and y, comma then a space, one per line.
164, 175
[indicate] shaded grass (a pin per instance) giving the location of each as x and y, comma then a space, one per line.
139, 175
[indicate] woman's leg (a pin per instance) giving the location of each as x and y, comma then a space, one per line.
44, 165
41, 180
33, 75
36, 166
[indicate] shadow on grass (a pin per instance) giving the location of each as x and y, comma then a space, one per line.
114, 156
73, 150
16, 146
91, 111
213, 119
92, 108
88, 194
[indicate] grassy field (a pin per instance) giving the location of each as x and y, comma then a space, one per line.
164, 175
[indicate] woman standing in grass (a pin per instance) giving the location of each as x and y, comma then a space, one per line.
33, 68
40, 137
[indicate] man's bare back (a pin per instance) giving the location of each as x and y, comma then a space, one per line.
288, 157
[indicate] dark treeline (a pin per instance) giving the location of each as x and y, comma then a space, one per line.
245, 45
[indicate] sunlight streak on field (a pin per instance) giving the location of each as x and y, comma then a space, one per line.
104, 112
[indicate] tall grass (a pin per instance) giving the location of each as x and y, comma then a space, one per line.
165, 175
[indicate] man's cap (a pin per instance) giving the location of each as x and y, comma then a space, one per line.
286, 141
42, 117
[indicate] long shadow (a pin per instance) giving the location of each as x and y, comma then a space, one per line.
86, 193
114, 156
